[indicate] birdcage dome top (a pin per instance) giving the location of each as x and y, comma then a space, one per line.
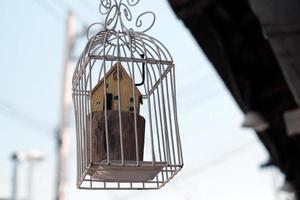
119, 42
129, 46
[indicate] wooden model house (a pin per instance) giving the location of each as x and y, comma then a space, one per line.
98, 132
112, 97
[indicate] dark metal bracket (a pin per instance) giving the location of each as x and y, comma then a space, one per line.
143, 73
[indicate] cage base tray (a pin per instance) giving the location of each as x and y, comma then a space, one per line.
128, 172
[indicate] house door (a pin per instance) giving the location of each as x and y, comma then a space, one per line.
108, 101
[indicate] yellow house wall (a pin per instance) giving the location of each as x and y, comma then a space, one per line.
125, 91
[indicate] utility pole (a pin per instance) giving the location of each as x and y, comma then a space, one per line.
16, 162
66, 101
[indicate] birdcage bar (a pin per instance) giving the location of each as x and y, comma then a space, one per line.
150, 117
173, 83
80, 136
80, 124
77, 137
164, 114
160, 117
82, 121
163, 76
134, 110
90, 105
156, 123
152, 143
105, 112
83, 118
81, 129
170, 122
101, 181
82, 105
120, 97
86, 111
124, 59
131, 183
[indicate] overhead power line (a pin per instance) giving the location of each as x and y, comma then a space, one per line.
66, 8
88, 4
220, 159
210, 164
11, 110
49, 9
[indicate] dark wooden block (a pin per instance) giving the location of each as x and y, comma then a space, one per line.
98, 136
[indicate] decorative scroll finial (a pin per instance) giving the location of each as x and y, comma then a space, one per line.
119, 16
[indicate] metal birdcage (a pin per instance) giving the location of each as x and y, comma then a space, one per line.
125, 105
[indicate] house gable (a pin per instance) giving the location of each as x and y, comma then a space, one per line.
112, 102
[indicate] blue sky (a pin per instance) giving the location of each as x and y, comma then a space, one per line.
32, 49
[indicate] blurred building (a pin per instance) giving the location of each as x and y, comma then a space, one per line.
255, 47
